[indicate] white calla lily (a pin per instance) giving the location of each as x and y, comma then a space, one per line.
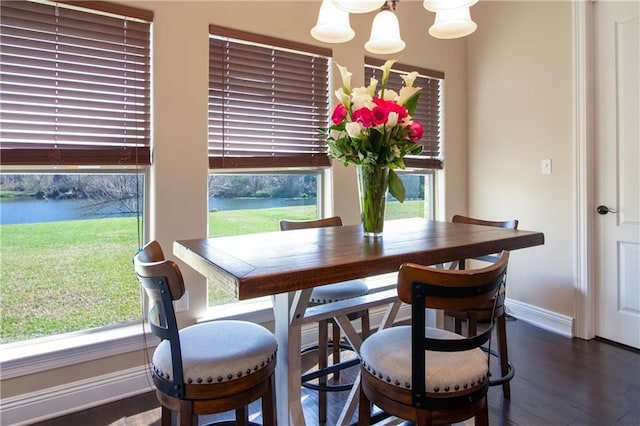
406, 93
345, 74
386, 70
373, 83
410, 78
343, 97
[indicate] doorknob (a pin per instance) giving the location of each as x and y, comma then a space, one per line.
604, 210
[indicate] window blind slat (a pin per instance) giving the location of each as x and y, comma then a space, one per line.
265, 105
73, 81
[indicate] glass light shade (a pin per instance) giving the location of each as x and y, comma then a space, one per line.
332, 25
453, 23
359, 6
385, 34
438, 5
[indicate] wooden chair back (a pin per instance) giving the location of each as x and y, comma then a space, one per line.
506, 224
425, 287
288, 225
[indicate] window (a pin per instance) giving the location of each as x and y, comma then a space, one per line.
419, 177
267, 97
74, 96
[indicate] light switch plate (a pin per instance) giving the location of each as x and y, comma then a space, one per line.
545, 166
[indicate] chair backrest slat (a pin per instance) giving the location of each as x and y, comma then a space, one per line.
288, 225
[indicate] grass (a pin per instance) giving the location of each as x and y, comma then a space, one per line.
59, 277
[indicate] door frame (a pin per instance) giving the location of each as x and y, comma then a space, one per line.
584, 186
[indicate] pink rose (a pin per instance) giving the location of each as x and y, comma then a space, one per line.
402, 111
384, 107
364, 116
380, 114
339, 113
415, 131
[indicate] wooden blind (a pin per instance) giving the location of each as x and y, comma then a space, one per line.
428, 111
75, 84
267, 98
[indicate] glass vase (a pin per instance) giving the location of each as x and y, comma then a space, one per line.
373, 186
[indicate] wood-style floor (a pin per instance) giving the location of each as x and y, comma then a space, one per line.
558, 381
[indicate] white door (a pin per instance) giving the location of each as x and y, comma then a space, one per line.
617, 141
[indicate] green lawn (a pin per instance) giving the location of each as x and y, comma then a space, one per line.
59, 277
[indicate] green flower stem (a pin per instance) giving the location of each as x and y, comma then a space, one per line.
372, 186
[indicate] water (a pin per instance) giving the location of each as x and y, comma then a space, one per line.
31, 210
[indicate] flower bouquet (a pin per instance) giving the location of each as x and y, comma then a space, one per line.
374, 130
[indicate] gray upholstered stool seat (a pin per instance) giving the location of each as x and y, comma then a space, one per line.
213, 353
339, 291
387, 354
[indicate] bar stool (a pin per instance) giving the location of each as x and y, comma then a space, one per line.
206, 368
482, 313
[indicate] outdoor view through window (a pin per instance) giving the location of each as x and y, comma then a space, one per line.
67, 243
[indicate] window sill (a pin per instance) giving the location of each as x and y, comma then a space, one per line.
37, 355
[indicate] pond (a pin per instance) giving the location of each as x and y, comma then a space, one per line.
31, 210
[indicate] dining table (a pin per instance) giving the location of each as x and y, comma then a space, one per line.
288, 265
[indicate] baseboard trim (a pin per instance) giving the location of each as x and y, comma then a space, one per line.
58, 401
540, 317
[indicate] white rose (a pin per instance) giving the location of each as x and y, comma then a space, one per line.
354, 129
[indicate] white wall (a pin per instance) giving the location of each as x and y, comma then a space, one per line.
520, 112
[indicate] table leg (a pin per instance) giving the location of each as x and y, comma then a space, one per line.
288, 367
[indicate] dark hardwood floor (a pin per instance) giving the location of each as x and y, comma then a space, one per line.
558, 381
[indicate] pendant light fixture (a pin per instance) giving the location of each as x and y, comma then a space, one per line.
453, 20
332, 25
385, 32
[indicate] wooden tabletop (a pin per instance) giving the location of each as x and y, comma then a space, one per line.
269, 263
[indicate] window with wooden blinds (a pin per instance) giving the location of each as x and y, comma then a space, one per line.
428, 111
74, 83
267, 98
